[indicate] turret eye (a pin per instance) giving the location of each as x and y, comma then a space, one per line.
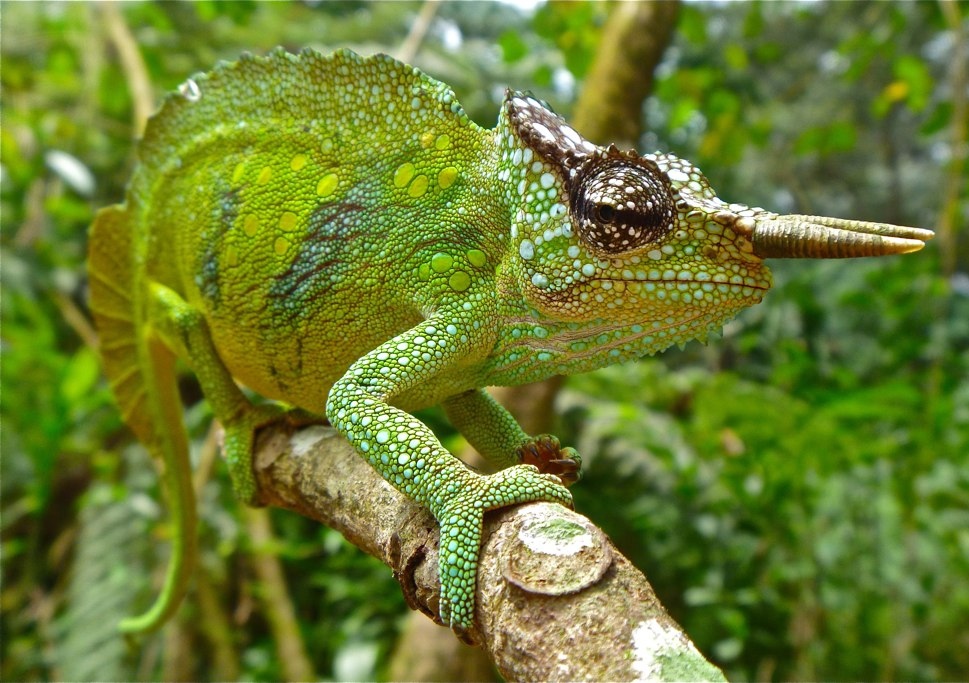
619, 205
606, 213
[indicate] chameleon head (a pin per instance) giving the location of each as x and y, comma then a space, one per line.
632, 253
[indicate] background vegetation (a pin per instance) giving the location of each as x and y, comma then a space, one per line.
797, 492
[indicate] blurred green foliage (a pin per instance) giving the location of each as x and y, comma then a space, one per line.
797, 491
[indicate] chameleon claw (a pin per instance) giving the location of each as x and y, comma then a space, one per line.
546, 453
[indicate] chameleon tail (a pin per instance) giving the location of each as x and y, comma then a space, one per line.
141, 372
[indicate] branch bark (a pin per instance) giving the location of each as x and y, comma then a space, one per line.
555, 599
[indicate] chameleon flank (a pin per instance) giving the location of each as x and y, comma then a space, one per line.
335, 233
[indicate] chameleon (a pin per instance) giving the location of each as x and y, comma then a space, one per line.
334, 233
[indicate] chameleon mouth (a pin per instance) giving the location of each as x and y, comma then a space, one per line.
641, 297
630, 295
723, 283
595, 345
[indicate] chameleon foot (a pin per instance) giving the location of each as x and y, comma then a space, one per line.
241, 433
460, 521
545, 453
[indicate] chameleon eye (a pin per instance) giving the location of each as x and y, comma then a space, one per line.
605, 213
619, 205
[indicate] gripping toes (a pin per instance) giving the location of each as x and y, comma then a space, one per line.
458, 564
241, 431
522, 484
546, 453
461, 522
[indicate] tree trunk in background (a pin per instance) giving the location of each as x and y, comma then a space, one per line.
609, 110
621, 76
428, 652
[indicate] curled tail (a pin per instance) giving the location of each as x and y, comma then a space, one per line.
141, 371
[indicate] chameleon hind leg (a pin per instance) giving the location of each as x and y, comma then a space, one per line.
496, 435
408, 455
184, 329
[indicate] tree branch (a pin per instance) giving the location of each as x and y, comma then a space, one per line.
555, 599
633, 40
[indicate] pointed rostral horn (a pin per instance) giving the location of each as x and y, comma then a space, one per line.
797, 236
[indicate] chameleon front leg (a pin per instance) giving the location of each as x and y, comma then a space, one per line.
409, 456
496, 434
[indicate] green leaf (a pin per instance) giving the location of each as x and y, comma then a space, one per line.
693, 25
841, 137
938, 119
543, 76
513, 48
574, 27
915, 74
754, 21
837, 137
80, 375
736, 57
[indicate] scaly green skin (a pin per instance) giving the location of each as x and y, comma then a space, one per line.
335, 233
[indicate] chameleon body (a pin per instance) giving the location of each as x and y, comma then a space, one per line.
335, 233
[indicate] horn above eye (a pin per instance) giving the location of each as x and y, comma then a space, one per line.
619, 205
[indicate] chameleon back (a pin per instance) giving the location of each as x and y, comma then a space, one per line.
262, 204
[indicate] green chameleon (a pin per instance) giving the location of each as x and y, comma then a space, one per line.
335, 233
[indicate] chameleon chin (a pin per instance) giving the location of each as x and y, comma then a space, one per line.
333, 231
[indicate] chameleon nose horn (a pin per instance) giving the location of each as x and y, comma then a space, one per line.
797, 236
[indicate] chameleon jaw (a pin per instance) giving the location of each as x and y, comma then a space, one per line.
799, 236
